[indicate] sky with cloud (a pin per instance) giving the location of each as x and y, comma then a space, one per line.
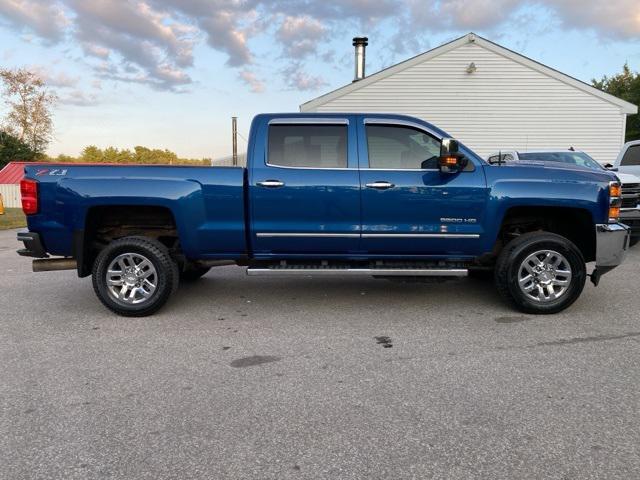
171, 73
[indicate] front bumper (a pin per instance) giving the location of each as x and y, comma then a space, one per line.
32, 245
612, 243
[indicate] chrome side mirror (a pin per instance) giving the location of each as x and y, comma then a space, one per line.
451, 160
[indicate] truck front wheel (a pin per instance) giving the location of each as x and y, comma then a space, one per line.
134, 276
540, 272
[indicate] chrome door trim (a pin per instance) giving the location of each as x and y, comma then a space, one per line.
306, 235
365, 235
420, 235
401, 169
309, 121
308, 168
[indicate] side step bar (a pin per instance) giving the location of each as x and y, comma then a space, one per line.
383, 272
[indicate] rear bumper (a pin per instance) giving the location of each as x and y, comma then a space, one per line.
32, 245
612, 243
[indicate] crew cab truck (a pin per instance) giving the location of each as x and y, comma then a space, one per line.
328, 194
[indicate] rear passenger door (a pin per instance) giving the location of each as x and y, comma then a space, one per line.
304, 188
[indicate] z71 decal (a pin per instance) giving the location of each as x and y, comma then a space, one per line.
56, 172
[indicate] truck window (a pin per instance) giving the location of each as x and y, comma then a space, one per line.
309, 146
400, 148
631, 156
504, 157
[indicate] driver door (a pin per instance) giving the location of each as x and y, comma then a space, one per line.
408, 206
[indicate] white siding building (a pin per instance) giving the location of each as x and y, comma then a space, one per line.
490, 98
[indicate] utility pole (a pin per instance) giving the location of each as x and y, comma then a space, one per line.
234, 140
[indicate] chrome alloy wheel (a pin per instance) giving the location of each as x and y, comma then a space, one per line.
131, 278
544, 276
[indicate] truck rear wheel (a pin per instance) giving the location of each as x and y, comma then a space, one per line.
134, 276
540, 273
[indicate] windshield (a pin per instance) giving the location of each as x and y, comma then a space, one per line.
573, 158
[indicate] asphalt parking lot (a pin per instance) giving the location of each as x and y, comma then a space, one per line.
272, 378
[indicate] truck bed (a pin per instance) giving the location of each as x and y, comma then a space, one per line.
207, 203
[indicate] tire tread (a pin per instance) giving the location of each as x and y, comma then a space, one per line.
168, 266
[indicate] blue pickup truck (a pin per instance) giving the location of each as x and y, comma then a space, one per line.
328, 194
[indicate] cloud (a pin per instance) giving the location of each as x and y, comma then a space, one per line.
223, 35
95, 50
46, 19
462, 14
300, 36
55, 79
154, 45
296, 78
362, 11
152, 42
252, 81
611, 18
222, 21
78, 98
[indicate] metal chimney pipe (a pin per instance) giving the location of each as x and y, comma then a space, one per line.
361, 44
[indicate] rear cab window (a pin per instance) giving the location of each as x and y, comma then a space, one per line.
307, 146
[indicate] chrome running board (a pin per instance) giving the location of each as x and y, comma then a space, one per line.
384, 272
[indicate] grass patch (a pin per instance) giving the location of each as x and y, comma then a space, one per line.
12, 218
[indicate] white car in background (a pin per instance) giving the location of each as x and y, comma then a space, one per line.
628, 164
628, 160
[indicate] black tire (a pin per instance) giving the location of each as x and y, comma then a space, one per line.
166, 271
514, 254
192, 272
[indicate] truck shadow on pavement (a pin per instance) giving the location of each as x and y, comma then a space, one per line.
227, 290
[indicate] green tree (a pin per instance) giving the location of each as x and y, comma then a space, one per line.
91, 154
139, 155
624, 85
12, 149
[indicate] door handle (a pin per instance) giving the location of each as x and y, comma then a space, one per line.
380, 185
271, 184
